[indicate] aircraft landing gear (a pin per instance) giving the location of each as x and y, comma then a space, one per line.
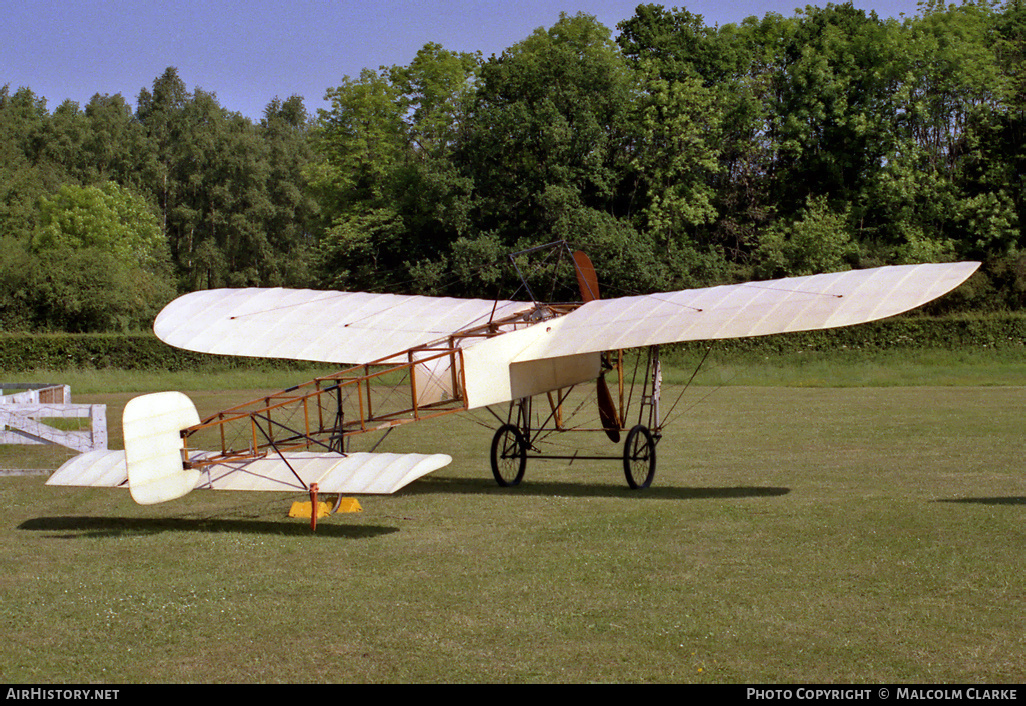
509, 455
639, 457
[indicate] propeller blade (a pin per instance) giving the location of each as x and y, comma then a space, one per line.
587, 280
607, 411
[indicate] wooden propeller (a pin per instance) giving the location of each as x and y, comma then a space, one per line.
587, 281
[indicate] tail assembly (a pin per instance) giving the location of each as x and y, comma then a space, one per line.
154, 449
157, 465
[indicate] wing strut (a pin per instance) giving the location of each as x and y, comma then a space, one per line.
708, 350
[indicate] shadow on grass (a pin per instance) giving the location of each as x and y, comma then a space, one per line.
482, 486
78, 527
1009, 500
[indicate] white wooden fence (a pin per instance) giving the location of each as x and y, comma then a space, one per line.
25, 409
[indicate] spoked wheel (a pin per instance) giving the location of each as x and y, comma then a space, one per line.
639, 457
509, 455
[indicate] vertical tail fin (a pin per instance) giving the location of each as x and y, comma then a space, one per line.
154, 445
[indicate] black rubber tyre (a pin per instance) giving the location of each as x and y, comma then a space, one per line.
509, 455
639, 457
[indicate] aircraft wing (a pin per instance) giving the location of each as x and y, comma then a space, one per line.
749, 309
328, 327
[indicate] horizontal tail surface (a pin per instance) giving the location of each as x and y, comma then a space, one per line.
356, 474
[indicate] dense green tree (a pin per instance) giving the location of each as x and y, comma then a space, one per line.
434, 94
90, 289
97, 261
360, 142
679, 154
24, 176
678, 125
115, 147
108, 217
389, 192
553, 110
736, 65
828, 98
818, 240
16, 265
679, 45
996, 169
937, 195
898, 124
292, 221
233, 203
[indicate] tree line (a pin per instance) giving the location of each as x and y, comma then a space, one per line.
676, 154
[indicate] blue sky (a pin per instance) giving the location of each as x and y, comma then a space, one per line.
250, 51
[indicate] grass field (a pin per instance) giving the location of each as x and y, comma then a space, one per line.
795, 532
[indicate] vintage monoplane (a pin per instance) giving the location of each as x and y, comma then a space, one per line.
442, 356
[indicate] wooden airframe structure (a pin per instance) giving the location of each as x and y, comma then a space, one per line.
446, 356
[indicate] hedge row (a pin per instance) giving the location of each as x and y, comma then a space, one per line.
21, 352
137, 351
912, 332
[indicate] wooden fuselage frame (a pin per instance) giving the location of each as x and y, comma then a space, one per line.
323, 413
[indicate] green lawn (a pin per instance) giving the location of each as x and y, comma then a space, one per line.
793, 533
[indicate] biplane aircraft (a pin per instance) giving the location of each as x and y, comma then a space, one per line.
412, 358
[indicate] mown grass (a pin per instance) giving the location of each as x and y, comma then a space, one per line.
852, 368
815, 534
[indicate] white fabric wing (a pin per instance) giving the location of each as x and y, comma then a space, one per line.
357, 327
749, 309
328, 327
